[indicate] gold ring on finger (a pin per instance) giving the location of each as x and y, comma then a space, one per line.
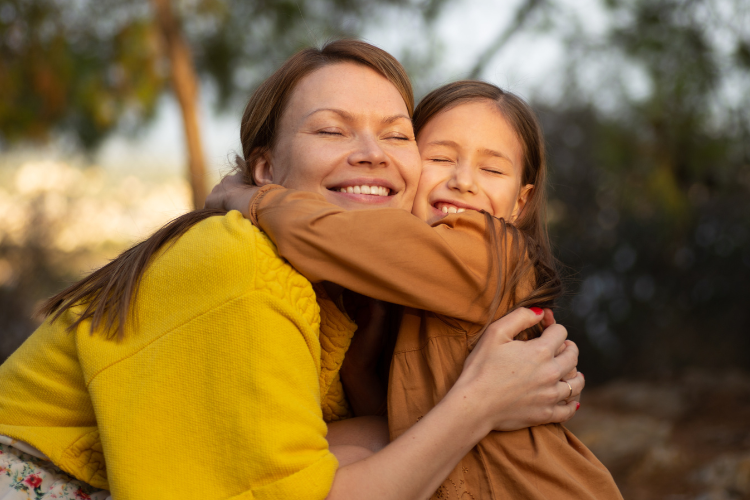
569, 387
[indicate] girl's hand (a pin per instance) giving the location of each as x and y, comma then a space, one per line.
232, 194
518, 384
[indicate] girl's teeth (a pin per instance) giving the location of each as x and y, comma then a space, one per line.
357, 190
450, 209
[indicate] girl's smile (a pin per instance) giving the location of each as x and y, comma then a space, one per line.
472, 159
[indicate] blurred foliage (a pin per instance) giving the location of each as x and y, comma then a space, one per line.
84, 68
651, 188
61, 71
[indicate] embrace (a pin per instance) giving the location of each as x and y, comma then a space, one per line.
219, 359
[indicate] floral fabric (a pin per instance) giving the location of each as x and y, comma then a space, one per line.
25, 477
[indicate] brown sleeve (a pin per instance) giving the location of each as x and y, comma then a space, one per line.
387, 254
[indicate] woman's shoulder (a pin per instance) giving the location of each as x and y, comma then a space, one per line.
228, 253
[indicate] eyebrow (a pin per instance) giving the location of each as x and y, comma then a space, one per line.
455, 145
348, 116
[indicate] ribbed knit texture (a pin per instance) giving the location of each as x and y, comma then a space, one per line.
215, 392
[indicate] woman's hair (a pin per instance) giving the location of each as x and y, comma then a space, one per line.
108, 292
529, 240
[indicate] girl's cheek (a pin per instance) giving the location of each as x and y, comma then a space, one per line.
431, 177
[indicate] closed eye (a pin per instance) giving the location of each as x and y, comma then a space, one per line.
492, 171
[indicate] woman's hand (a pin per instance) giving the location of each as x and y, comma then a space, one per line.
519, 384
232, 194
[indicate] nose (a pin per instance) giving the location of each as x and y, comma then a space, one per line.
368, 152
463, 179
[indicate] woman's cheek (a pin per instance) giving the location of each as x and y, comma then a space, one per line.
409, 163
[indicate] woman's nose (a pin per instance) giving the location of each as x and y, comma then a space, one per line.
368, 153
463, 179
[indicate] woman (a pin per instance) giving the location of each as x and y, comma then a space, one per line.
195, 363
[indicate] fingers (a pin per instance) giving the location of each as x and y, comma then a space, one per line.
567, 363
571, 388
553, 339
510, 325
214, 199
564, 412
236, 179
561, 349
218, 196
548, 318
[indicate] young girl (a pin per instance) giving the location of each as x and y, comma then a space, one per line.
482, 192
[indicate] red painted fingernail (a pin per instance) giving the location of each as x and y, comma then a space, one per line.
578, 405
537, 310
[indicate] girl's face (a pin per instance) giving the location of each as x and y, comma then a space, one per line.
472, 159
346, 134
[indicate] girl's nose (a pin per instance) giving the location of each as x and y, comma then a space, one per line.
368, 152
463, 179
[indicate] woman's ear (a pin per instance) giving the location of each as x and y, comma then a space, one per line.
263, 169
523, 195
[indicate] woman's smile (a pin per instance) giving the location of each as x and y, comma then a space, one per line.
364, 190
347, 135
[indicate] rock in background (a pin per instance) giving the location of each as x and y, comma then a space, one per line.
681, 439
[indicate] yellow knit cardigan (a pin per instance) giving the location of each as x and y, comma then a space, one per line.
220, 389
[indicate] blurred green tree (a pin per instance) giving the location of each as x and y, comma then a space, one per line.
649, 144
89, 67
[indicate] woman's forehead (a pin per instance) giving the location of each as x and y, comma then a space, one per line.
351, 88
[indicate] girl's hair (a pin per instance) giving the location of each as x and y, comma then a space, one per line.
108, 292
529, 241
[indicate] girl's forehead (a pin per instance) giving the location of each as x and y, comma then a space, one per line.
471, 112
471, 124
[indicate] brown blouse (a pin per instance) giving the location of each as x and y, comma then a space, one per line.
441, 273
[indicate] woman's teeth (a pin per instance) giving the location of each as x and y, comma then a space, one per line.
376, 190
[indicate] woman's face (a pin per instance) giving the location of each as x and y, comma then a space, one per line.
346, 134
472, 159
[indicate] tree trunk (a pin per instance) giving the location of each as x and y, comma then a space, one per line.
185, 85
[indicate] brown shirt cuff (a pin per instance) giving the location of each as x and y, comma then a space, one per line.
255, 201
